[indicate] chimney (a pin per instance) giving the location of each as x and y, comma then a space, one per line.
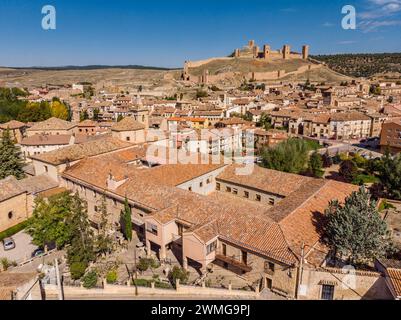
72, 139
112, 183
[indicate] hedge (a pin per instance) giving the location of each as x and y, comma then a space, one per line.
147, 283
13, 230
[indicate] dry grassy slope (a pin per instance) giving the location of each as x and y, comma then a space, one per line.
246, 65
115, 77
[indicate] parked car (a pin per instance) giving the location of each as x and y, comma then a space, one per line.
38, 252
8, 244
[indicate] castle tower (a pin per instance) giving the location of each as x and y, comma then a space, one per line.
205, 77
255, 51
251, 43
305, 52
236, 53
266, 51
186, 71
286, 51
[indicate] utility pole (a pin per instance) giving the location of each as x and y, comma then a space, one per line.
301, 266
136, 276
59, 287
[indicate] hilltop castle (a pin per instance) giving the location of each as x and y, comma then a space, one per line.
251, 51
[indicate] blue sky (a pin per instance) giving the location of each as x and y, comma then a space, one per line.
167, 32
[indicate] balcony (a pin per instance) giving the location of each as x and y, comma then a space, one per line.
234, 262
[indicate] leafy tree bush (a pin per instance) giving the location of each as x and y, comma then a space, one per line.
355, 230
90, 279
111, 276
327, 160
315, 165
5, 263
390, 176
143, 264
77, 269
348, 170
362, 179
288, 156
201, 94
178, 273
13, 230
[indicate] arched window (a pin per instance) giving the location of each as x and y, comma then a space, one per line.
10, 215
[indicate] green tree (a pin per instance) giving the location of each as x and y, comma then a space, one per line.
265, 122
49, 221
59, 109
96, 113
120, 117
201, 94
355, 230
390, 175
315, 165
327, 160
103, 240
83, 115
81, 249
11, 163
288, 156
90, 279
348, 170
178, 273
126, 220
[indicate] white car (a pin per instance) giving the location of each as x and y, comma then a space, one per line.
8, 244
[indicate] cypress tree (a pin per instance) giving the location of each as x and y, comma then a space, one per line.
126, 220
11, 163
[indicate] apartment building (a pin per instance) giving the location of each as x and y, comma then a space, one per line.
390, 136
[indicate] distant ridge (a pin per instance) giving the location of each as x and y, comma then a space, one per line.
93, 67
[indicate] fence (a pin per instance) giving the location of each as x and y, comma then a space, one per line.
130, 290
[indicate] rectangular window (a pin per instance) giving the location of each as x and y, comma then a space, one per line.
246, 194
327, 292
269, 267
258, 197
271, 201
211, 247
235, 191
228, 189
152, 228
46, 168
218, 186
201, 184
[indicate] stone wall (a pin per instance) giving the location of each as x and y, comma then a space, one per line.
347, 285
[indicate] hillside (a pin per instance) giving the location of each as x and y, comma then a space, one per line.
364, 65
123, 77
242, 67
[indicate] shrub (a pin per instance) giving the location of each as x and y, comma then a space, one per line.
13, 230
111, 276
178, 273
5, 263
90, 279
146, 263
361, 179
142, 282
77, 270
154, 264
143, 264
